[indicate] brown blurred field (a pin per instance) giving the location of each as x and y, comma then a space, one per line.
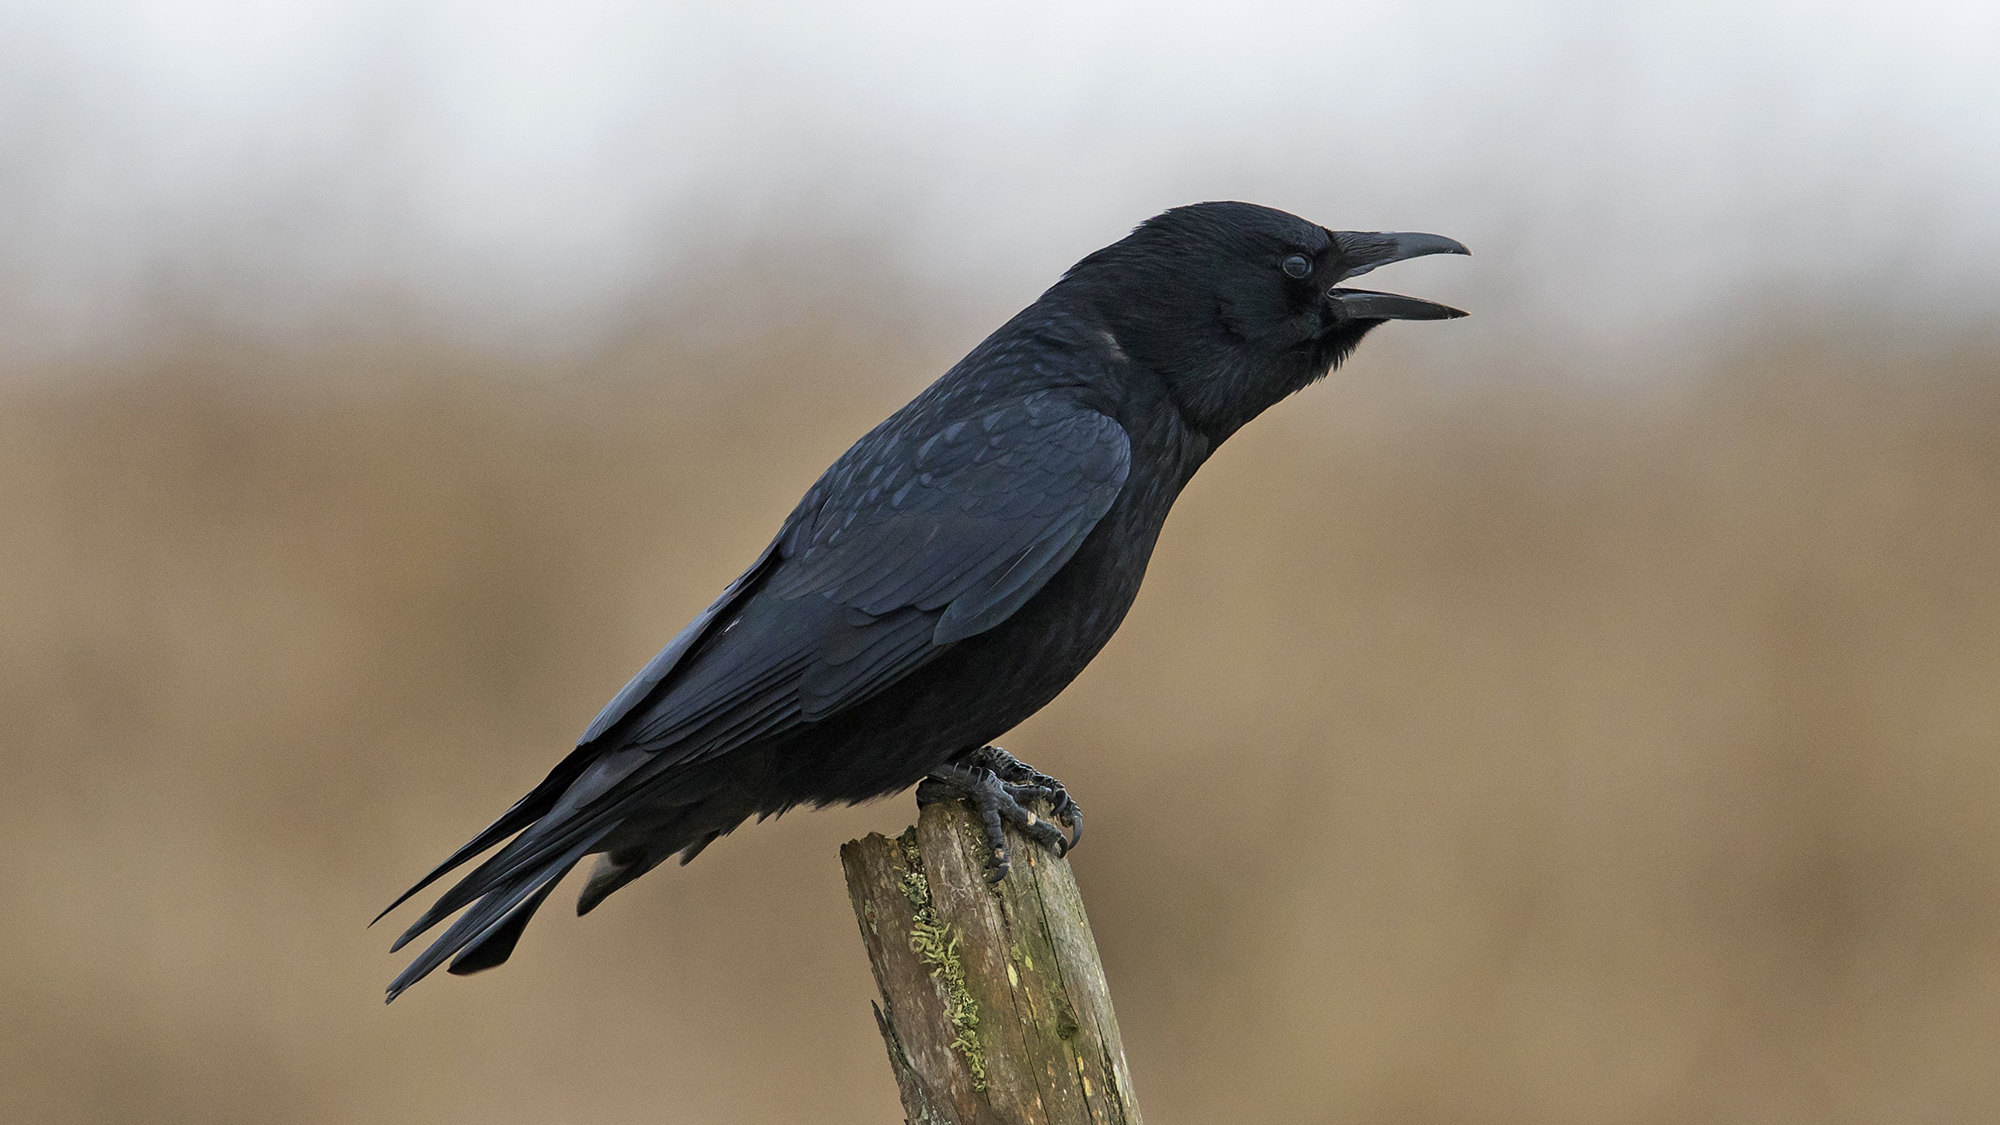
1527, 749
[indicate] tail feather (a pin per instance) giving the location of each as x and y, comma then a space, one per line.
498, 943
524, 812
579, 810
492, 916
553, 832
522, 857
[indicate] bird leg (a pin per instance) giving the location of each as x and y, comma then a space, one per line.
1001, 786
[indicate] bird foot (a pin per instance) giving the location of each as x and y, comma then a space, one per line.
1001, 787
1026, 783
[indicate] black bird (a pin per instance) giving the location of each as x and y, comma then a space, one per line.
949, 574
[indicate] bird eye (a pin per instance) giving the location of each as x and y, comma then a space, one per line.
1296, 266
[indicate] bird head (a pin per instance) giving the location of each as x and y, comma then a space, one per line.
1237, 306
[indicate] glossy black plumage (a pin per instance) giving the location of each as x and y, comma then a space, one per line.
951, 572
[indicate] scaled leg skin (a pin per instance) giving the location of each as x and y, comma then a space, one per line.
1001, 787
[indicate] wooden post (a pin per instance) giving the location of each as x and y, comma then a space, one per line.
994, 1008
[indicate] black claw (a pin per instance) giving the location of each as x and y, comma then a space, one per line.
1067, 811
1002, 787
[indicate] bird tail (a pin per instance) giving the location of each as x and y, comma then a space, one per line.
502, 898
563, 820
571, 815
524, 812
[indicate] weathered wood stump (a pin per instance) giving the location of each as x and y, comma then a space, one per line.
994, 1008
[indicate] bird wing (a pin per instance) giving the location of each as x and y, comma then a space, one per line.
667, 659
925, 533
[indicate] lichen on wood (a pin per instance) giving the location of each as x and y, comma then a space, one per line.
934, 943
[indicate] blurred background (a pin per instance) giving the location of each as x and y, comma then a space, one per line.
1587, 712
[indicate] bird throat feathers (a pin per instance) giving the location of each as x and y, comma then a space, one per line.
1238, 384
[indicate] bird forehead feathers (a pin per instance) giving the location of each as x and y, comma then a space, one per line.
1216, 240
1227, 229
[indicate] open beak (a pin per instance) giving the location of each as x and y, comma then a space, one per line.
1361, 251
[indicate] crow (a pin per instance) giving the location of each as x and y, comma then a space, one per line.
949, 575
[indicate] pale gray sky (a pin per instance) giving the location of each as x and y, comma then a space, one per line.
514, 170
